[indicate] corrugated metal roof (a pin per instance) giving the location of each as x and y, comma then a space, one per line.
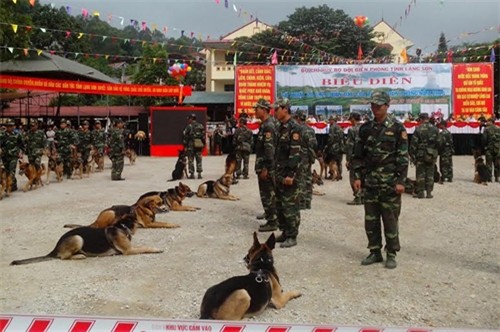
53, 66
202, 97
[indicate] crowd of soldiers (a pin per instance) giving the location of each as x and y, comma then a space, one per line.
62, 145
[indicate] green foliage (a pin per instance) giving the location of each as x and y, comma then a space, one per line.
14, 14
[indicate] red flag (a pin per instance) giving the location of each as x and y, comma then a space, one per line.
449, 56
360, 52
274, 58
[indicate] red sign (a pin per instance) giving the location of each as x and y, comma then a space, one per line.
33, 83
252, 83
472, 89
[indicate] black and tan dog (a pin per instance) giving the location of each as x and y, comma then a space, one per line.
97, 159
33, 174
173, 197
83, 242
5, 181
481, 173
144, 212
180, 170
131, 155
217, 189
55, 165
247, 295
76, 163
317, 180
231, 165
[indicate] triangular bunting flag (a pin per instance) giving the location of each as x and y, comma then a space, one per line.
14, 27
274, 58
492, 55
96, 14
38, 52
14, 1
11, 49
80, 35
32, 3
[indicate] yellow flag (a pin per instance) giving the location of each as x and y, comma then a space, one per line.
404, 56
80, 35
96, 14
38, 52
14, 1
14, 27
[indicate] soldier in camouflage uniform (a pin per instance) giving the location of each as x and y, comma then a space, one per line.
85, 144
446, 151
242, 142
12, 146
308, 149
99, 139
381, 157
65, 139
491, 143
117, 150
265, 165
288, 168
352, 138
334, 147
35, 141
424, 152
194, 132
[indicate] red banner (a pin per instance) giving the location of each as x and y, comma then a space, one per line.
32, 83
473, 89
252, 83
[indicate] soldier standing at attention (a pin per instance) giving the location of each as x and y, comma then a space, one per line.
11, 145
193, 138
99, 140
334, 147
242, 142
288, 168
308, 150
491, 143
85, 142
446, 151
66, 139
381, 156
424, 152
265, 164
35, 142
117, 150
352, 138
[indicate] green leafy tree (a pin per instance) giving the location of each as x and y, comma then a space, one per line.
19, 14
442, 49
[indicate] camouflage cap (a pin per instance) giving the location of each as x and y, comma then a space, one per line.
282, 102
356, 116
423, 116
97, 122
118, 120
301, 115
33, 122
262, 103
9, 122
63, 120
243, 120
380, 98
192, 116
85, 123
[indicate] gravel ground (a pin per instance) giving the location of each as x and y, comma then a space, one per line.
448, 272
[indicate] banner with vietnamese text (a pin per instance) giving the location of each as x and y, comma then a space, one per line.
252, 83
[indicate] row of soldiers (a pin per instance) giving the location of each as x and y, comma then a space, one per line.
60, 144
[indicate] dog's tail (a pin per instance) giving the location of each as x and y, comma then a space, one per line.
32, 260
72, 226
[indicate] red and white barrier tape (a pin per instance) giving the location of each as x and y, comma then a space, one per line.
28, 323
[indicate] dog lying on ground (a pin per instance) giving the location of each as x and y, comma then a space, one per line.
34, 175
131, 155
143, 211
55, 165
317, 180
241, 296
173, 197
481, 174
97, 159
217, 189
5, 181
83, 242
180, 170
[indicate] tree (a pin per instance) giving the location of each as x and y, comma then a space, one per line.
14, 14
442, 48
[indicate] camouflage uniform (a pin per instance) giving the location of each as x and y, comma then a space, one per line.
424, 152
116, 152
446, 151
309, 145
381, 159
85, 144
265, 148
35, 141
352, 138
288, 160
242, 142
98, 138
64, 139
11, 144
491, 143
194, 130
334, 147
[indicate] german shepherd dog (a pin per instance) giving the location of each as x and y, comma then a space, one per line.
55, 165
332, 168
217, 189
5, 181
180, 170
320, 156
481, 174
76, 163
143, 211
247, 295
231, 165
173, 197
96, 158
317, 180
34, 175
83, 242
131, 155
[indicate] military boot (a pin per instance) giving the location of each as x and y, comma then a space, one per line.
289, 242
373, 257
281, 238
191, 176
429, 195
270, 226
199, 176
261, 216
390, 263
419, 195
355, 201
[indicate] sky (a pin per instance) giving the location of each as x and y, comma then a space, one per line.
462, 21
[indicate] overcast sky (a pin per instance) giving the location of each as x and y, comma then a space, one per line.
426, 20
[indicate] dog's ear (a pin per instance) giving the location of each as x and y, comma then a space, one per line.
271, 241
256, 240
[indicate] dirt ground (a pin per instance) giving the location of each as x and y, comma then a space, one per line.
448, 270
